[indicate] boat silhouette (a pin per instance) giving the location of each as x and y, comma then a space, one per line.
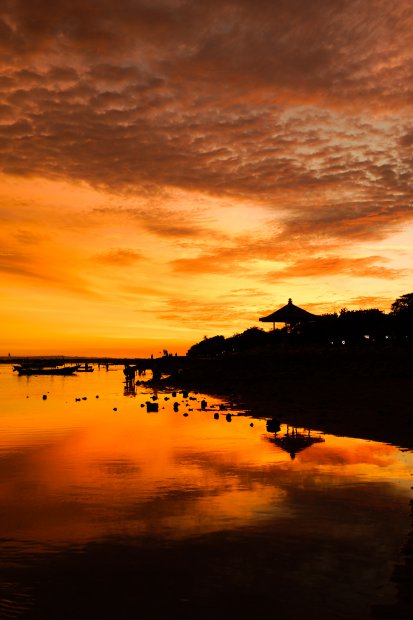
46, 370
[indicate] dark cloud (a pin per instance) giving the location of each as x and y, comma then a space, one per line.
354, 221
302, 107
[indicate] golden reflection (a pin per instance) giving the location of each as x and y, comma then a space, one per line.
88, 462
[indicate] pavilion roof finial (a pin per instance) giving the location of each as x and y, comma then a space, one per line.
290, 301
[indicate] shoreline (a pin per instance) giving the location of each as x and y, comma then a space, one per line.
361, 393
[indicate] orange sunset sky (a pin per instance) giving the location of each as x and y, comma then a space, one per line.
177, 168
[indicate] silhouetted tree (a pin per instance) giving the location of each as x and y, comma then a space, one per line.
402, 317
356, 326
403, 306
249, 339
208, 346
322, 331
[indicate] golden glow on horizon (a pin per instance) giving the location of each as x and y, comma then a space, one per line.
97, 281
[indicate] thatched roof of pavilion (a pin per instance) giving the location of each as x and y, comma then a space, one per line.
289, 314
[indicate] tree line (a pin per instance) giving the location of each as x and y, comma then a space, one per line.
348, 327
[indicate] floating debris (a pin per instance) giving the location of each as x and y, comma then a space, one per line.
151, 407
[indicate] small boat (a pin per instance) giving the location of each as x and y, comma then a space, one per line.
85, 368
54, 370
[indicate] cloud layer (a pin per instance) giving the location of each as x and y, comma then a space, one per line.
221, 97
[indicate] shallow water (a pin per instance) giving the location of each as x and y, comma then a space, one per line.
108, 511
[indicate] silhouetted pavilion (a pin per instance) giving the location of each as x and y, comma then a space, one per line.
289, 314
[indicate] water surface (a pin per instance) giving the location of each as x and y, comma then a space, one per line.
112, 512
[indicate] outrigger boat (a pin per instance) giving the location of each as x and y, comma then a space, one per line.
54, 370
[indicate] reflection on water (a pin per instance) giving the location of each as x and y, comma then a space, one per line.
293, 440
193, 509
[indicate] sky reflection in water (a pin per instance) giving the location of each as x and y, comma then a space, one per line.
77, 472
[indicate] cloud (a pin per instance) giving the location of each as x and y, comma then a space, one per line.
365, 267
216, 314
156, 218
372, 301
351, 221
121, 257
25, 261
27, 237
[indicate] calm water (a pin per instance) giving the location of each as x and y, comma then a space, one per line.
108, 511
